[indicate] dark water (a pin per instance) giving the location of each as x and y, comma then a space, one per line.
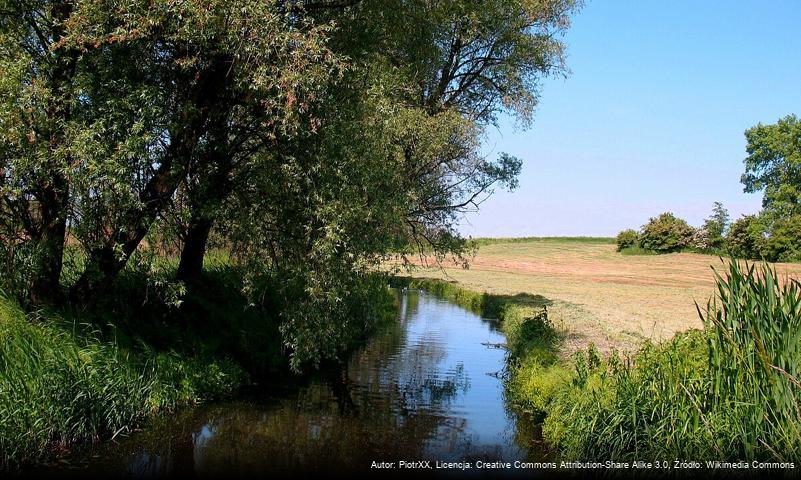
428, 387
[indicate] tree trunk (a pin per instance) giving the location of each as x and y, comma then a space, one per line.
202, 103
45, 286
191, 266
105, 263
53, 193
214, 185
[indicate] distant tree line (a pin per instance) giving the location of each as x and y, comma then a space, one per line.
773, 166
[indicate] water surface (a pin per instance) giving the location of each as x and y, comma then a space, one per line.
427, 387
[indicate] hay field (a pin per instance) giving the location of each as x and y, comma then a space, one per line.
596, 294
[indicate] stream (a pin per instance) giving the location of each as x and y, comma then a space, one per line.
428, 387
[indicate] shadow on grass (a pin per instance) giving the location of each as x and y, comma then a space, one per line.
213, 319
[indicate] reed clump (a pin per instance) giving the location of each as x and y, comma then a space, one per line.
730, 391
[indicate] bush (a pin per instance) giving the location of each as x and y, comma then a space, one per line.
784, 242
666, 233
702, 240
746, 237
627, 238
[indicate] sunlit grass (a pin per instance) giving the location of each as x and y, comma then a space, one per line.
727, 392
61, 384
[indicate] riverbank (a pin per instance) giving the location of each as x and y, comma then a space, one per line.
62, 384
427, 386
728, 391
69, 377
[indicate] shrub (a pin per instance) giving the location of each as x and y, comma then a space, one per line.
666, 233
783, 244
715, 227
627, 238
745, 237
702, 240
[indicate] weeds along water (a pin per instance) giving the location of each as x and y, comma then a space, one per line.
60, 386
73, 376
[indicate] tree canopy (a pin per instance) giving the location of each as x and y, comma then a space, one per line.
774, 164
311, 140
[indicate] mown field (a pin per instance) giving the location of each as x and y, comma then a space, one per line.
595, 294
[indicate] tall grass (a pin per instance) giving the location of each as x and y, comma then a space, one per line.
729, 392
83, 374
755, 355
60, 385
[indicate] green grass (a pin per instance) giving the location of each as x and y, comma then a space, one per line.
62, 384
728, 392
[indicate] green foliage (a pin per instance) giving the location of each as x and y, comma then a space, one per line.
783, 244
627, 238
61, 383
324, 315
714, 229
666, 233
773, 164
479, 57
309, 144
755, 355
168, 125
745, 238
640, 405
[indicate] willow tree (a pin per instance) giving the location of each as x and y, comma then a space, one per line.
38, 98
473, 59
391, 154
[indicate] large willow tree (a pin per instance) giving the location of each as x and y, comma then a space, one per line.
311, 139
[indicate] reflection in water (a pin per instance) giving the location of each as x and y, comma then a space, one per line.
423, 389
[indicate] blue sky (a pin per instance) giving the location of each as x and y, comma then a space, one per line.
651, 118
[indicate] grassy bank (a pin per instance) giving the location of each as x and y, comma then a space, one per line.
74, 376
62, 384
729, 391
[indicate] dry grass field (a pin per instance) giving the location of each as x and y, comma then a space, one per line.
595, 294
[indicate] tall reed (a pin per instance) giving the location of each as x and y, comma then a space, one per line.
729, 392
755, 355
